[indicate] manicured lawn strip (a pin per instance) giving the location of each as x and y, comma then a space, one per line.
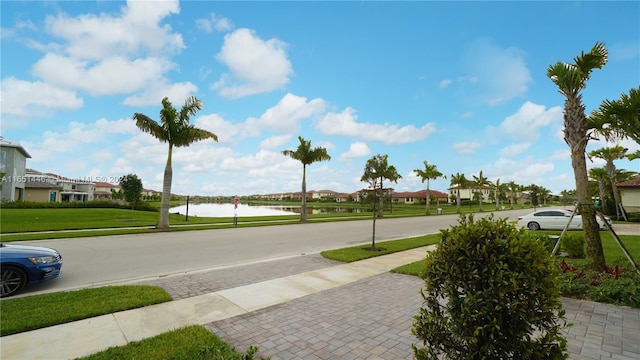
38, 311
187, 343
356, 253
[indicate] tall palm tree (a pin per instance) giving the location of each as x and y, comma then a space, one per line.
571, 79
619, 118
480, 181
307, 156
496, 191
459, 180
430, 171
513, 190
609, 155
376, 170
174, 128
599, 174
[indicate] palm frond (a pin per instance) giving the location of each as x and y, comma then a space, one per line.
150, 126
191, 134
190, 107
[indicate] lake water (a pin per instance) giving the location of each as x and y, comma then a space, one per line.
227, 210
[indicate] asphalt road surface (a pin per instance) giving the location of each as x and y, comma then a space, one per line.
110, 260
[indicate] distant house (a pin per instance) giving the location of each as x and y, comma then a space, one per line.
630, 194
73, 189
40, 187
103, 190
13, 163
344, 197
419, 197
466, 193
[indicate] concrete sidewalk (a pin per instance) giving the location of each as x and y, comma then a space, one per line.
84, 337
306, 307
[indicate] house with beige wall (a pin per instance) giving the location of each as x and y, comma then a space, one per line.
630, 194
466, 193
13, 163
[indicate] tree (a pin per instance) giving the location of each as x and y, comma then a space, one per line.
430, 171
307, 156
132, 189
459, 180
544, 194
174, 128
599, 174
567, 196
609, 155
376, 170
619, 118
534, 195
491, 292
480, 181
571, 79
634, 155
513, 191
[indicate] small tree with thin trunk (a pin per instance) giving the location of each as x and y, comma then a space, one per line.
376, 171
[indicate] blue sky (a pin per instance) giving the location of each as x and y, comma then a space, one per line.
461, 85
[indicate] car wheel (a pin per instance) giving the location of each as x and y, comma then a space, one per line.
12, 279
533, 226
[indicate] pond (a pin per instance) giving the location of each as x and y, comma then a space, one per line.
227, 210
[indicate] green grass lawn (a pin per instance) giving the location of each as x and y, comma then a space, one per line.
187, 343
38, 311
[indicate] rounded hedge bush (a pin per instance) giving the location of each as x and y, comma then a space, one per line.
490, 293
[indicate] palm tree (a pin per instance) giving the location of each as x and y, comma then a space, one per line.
480, 181
430, 171
496, 191
544, 194
513, 190
174, 128
609, 155
376, 171
571, 79
307, 156
634, 155
459, 180
599, 174
619, 118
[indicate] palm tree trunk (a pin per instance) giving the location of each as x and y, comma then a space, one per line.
163, 220
611, 170
458, 202
427, 196
303, 212
595, 254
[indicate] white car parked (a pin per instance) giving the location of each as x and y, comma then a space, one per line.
555, 219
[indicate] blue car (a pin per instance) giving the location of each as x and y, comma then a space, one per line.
22, 265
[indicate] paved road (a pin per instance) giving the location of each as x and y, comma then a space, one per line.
103, 260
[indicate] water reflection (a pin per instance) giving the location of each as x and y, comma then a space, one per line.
227, 210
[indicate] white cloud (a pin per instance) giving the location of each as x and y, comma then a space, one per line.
526, 122
501, 72
514, 149
275, 142
153, 94
214, 23
138, 28
77, 136
113, 75
345, 123
356, 150
27, 99
256, 65
286, 115
445, 83
465, 148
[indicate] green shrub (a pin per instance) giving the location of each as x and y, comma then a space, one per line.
573, 245
490, 293
617, 285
